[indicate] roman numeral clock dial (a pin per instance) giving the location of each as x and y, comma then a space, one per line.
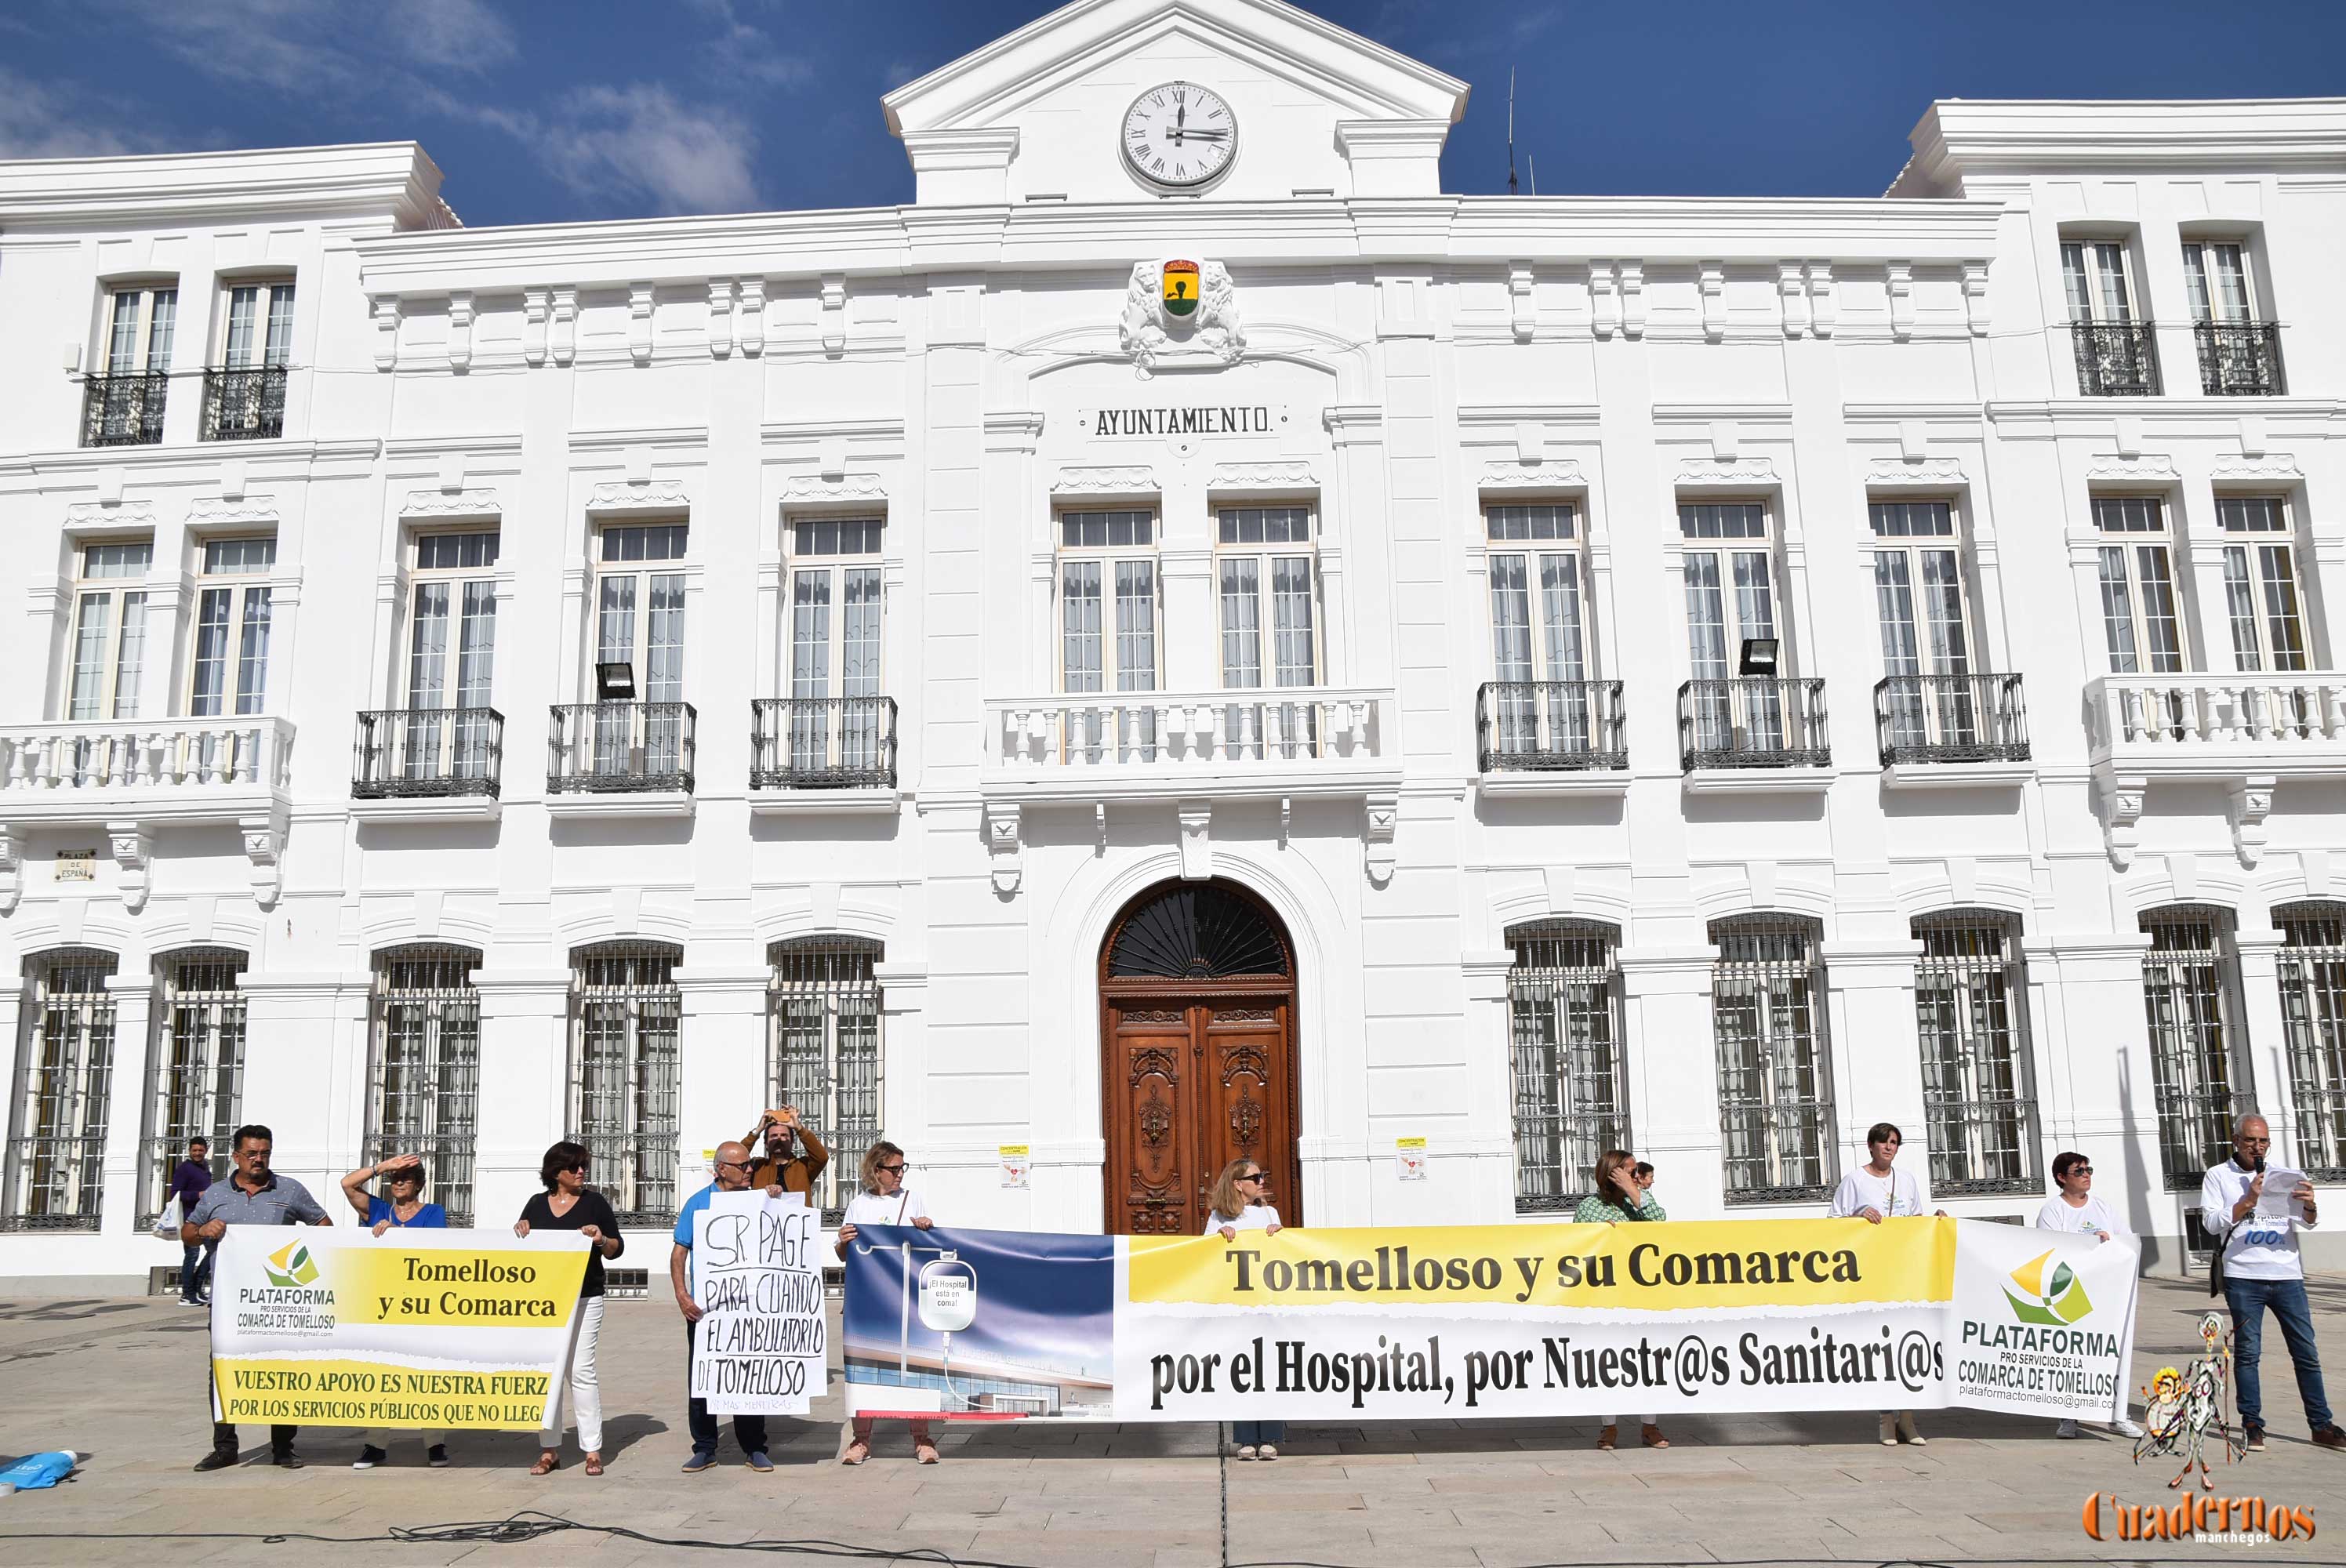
1179, 136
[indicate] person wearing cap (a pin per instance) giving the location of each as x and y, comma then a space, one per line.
2077, 1210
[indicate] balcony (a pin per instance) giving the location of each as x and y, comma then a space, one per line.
246, 404
822, 753
1937, 731
428, 764
124, 410
2246, 732
2240, 358
1752, 734
1305, 740
621, 759
2116, 359
1551, 736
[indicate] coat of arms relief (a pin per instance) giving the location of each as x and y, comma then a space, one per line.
1178, 309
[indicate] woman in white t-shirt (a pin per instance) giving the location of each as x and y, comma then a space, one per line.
2076, 1210
883, 1200
1873, 1192
1242, 1202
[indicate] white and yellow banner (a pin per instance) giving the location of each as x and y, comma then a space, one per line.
331, 1326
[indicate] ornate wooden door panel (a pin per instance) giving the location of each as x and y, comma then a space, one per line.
1152, 1164
1245, 1113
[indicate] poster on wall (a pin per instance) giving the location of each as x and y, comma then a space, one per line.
761, 1344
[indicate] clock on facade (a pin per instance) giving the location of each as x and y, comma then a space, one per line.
1180, 135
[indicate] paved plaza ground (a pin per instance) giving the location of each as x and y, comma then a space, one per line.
120, 1381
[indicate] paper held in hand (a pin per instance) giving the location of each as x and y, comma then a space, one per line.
2276, 1203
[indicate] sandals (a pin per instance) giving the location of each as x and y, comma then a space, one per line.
1605, 1440
594, 1464
925, 1453
549, 1461
1653, 1438
857, 1452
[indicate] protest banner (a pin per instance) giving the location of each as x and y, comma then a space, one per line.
1497, 1321
454, 1329
761, 1345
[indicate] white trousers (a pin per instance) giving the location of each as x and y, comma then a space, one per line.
585, 1395
1641, 1420
381, 1436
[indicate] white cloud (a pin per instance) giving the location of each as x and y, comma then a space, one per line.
319, 48
38, 120
640, 142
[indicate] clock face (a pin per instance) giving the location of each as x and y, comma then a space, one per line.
1180, 135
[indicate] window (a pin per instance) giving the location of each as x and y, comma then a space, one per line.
2260, 582
140, 322
2189, 979
2138, 577
424, 1068
2313, 1017
1918, 593
2098, 280
1564, 1025
195, 1073
640, 623
258, 329
1537, 550
230, 671
835, 607
123, 401
1107, 590
453, 609
1729, 563
1266, 550
109, 630
57, 1149
1971, 1015
1775, 1095
2115, 356
626, 1014
2238, 355
2216, 278
823, 1051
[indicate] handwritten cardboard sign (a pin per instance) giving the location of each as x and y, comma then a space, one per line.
762, 1343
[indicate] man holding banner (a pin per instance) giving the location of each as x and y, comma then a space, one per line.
252, 1195
732, 1174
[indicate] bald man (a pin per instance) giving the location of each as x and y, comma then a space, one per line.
750, 1431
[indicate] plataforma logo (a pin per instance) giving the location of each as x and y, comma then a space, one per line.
292, 1267
2056, 1300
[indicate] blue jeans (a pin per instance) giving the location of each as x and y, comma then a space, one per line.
750, 1431
1254, 1434
196, 1270
2248, 1299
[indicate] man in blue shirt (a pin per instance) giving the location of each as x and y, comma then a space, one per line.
750, 1431
252, 1195
189, 1178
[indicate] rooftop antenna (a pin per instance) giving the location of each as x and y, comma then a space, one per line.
1533, 164
1511, 132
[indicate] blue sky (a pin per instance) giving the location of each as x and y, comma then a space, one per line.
602, 109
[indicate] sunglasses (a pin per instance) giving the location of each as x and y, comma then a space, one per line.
896, 1169
2081, 1170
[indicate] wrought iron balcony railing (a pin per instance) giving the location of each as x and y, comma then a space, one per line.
1549, 726
1752, 721
823, 743
246, 404
418, 752
2116, 359
620, 747
2240, 358
1949, 719
124, 410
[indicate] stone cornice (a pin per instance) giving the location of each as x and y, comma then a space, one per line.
395, 182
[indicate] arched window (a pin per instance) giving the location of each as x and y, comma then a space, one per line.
195, 1071
1775, 1078
1564, 1028
2313, 1016
2190, 978
424, 1068
823, 1049
626, 1075
57, 1144
1203, 931
1971, 1017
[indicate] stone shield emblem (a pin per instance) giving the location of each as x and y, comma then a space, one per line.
1177, 280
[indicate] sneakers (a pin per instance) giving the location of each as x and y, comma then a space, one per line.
369, 1457
1265, 1452
699, 1463
285, 1459
192, 1301
2256, 1439
2125, 1428
2067, 1429
437, 1456
219, 1459
1246, 1451
761, 1464
2329, 1437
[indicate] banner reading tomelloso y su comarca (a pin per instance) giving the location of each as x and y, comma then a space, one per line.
326, 1327
1496, 1321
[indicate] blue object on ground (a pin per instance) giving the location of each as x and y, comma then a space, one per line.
37, 1470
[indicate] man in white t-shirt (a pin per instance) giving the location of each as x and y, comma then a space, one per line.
2261, 1268
2076, 1210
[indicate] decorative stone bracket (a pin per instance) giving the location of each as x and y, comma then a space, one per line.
2122, 800
1004, 845
2248, 802
1197, 840
12, 868
132, 845
1377, 841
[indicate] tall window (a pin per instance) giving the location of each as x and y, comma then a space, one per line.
835, 607
2098, 280
260, 326
229, 670
123, 403
423, 1067
625, 1015
2313, 1016
57, 1146
1971, 1015
1729, 563
2215, 276
2260, 582
1269, 581
2137, 574
1918, 594
640, 623
823, 1051
2197, 1057
109, 634
139, 323
1775, 1080
1564, 1024
1537, 626
452, 645
1108, 621
194, 1073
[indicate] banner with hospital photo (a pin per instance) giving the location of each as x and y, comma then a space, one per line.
1489, 1322
341, 1328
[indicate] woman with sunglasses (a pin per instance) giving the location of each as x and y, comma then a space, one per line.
1241, 1201
885, 1200
569, 1204
402, 1178
2077, 1210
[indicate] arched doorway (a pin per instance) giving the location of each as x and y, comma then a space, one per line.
1197, 1054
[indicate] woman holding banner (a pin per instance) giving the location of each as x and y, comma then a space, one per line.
1241, 1201
402, 1178
1873, 1192
1621, 1196
883, 1200
569, 1204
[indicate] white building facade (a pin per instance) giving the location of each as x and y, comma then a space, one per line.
1144, 665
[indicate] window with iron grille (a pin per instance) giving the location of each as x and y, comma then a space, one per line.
56, 1152
2199, 1072
424, 1068
823, 1051
195, 1071
2313, 1017
1971, 1015
1564, 1028
1775, 1077
625, 1015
